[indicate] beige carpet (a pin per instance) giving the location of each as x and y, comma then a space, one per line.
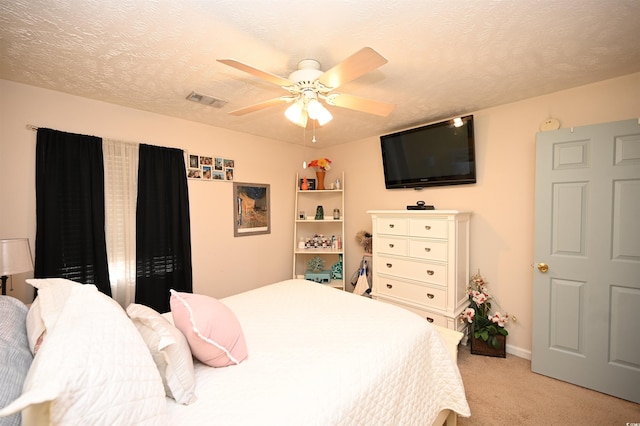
505, 392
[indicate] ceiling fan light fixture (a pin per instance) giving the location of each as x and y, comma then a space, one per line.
324, 116
314, 108
296, 114
317, 111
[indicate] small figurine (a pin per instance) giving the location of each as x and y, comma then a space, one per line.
336, 270
305, 184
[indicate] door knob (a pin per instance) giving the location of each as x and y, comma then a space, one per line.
543, 267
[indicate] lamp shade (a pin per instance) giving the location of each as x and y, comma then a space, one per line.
15, 256
297, 114
324, 116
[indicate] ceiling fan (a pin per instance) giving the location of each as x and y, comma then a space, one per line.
309, 85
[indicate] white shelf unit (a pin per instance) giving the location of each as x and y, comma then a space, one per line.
307, 201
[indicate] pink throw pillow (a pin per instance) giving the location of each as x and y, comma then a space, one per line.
211, 328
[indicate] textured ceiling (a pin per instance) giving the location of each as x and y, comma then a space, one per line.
446, 57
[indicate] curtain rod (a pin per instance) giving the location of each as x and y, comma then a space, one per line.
35, 128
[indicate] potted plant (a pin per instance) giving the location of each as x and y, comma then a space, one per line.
487, 332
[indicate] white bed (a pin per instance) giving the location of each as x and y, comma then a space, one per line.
318, 356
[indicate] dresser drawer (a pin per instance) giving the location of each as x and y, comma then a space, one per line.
432, 297
391, 245
428, 249
436, 319
392, 226
415, 270
432, 228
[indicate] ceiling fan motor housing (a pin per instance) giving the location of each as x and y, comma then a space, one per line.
308, 71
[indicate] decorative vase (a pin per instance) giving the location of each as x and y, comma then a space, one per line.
320, 179
305, 184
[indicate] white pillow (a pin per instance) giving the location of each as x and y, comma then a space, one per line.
36, 328
93, 366
170, 351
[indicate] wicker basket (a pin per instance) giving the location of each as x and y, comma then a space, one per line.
480, 347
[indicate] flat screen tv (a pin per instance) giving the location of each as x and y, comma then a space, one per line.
432, 155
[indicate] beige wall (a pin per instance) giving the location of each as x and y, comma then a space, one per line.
502, 201
222, 265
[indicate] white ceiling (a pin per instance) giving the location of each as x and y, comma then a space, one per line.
446, 57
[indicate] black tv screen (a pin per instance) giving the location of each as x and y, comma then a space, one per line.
433, 155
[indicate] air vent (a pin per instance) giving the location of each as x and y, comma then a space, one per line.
206, 100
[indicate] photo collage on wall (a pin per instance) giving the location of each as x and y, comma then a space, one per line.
210, 168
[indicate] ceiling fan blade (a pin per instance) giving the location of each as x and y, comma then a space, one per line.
360, 104
360, 63
271, 78
261, 105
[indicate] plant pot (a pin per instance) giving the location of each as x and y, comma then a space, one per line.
480, 347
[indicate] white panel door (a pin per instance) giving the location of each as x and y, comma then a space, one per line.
586, 286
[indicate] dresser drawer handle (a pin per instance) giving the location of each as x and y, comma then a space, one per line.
427, 227
427, 249
429, 319
430, 272
391, 245
430, 296
391, 225
389, 286
389, 265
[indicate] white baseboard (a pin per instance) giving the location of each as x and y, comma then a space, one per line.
519, 352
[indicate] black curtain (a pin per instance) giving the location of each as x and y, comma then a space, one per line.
70, 238
163, 234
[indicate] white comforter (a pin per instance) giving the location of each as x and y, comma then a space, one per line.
318, 356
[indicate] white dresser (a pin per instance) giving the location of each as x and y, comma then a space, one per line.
421, 262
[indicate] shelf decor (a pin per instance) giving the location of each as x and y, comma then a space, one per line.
320, 176
316, 264
321, 165
311, 184
336, 269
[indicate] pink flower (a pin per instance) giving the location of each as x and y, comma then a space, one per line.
499, 319
479, 297
468, 315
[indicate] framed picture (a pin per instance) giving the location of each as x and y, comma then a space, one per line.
310, 182
211, 168
251, 205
